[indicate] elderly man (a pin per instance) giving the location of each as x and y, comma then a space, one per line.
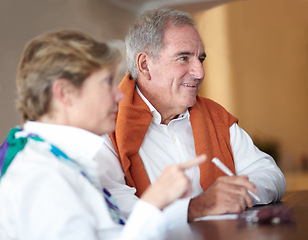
163, 121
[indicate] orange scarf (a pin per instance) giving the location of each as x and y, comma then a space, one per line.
210, 124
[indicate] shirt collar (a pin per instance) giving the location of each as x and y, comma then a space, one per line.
152, 109
156, 114
75, 142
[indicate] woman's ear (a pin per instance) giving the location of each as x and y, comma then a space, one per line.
142, 61
62, 90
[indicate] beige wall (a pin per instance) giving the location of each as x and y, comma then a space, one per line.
257, 67
20, 21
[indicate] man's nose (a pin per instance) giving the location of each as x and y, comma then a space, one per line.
197, 70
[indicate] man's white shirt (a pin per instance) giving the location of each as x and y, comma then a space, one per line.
174, 143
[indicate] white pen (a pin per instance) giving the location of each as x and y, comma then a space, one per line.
227, 171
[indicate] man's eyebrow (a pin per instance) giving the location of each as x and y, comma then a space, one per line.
202, 55
183, 53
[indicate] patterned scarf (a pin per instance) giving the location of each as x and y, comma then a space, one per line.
12, 146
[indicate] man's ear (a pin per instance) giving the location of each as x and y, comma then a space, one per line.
142, 61
62, 90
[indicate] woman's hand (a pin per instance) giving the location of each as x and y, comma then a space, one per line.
171, 185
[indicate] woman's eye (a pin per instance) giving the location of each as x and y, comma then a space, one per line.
109, 80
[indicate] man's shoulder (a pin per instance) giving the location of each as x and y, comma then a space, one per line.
127, 84
213, 109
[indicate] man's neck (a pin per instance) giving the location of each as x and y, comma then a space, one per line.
166, 114
167, 120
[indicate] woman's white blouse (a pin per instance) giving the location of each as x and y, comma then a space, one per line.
44, 198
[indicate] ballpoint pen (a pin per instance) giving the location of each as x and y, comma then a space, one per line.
227, 171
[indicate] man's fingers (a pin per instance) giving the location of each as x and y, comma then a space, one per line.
196, 161
241, 181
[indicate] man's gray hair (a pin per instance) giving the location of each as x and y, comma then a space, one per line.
146, 35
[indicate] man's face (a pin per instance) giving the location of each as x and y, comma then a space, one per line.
176, 76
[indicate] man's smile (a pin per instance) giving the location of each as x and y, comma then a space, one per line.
189, 85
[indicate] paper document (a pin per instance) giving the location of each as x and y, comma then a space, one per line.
218, 217
248, 215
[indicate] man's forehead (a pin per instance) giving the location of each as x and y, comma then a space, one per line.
185, 33
177, 41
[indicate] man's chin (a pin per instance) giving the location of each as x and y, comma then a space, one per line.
189, 102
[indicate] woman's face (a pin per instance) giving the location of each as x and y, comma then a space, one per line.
95, 104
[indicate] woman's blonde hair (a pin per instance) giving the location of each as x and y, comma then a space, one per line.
64, 54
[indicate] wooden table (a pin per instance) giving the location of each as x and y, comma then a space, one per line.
236, 230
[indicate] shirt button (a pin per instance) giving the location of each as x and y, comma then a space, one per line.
156, 115
173, 139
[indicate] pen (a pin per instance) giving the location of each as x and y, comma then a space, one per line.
227, 171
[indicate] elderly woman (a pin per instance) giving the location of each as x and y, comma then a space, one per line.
50, 187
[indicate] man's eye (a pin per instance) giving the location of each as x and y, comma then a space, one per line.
183, 58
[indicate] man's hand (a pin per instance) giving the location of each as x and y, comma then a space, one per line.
225, 195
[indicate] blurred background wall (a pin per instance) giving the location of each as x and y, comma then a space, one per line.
257, 68
257, 64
